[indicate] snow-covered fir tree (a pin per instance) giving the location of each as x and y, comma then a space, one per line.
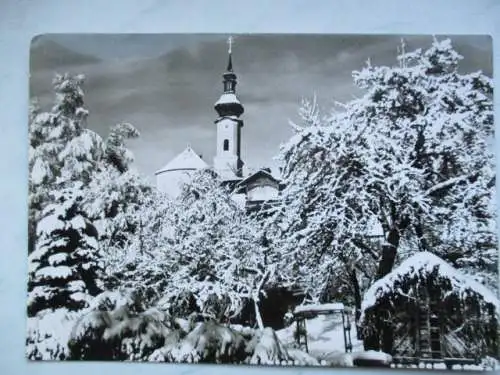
65, 269
63, 154
115, 151
71, 171
62, 149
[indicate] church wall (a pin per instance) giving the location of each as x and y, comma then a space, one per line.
227, 159
170, 182
227, 129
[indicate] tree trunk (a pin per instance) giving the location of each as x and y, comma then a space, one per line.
357, 293
255, 298
389, 251
258, 317
357, 300
31, 236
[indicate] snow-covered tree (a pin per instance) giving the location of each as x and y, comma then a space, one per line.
426, 131
136, 245
64, 261
72, 147
215, 254
86, 204
120, 202
324, 212
411, 155
61, 149
65, 268
115, 151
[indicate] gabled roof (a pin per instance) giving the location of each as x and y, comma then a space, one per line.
254, 176
423, 264
186, 160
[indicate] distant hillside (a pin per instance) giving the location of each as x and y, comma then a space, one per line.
47, 54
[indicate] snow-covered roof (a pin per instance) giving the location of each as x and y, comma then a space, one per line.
186, 160
424, 263
227, 98
321, 307
255, 175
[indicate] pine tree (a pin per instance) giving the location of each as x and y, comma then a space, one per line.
65, 268
116, 154
61, 150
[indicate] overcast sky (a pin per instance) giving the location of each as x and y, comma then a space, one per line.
166, 84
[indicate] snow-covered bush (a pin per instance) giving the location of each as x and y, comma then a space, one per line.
267, 349
208, 342
48, 334
118, 326
490, 363
211, 342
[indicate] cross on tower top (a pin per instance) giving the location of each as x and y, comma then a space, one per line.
230, 42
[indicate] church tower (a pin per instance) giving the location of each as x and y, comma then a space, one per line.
227, 161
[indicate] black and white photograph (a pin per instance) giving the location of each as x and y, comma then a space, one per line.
323, 200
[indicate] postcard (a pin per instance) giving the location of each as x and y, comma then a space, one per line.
320, 200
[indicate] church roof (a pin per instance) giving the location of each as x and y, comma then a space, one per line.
186, 160
227, 98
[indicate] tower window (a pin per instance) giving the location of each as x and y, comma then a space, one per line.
226, 144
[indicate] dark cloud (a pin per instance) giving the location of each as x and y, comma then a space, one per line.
166, 84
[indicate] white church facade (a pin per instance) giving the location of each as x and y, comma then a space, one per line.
252, 189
